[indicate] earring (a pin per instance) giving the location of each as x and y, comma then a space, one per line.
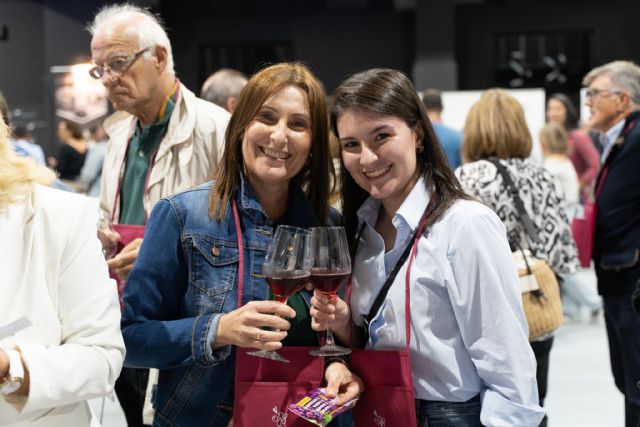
419, 148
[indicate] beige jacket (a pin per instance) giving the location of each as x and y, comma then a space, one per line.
188, 156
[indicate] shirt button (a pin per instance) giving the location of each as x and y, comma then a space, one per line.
140, 153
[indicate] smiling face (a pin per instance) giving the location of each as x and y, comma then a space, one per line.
556, 112
134, 88
276, 144
380, 154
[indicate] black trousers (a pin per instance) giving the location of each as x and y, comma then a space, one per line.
542, 349
131, 387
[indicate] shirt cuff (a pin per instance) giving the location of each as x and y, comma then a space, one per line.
220, 354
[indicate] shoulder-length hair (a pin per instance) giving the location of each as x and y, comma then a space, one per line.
314, 176
17, 174
495, 126
388, 92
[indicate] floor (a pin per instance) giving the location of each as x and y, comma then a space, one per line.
581, 389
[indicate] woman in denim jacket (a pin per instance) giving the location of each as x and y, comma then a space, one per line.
180, 304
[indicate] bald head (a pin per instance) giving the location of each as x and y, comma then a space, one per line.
223, 88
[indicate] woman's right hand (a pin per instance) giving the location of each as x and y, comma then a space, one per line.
243, 327
335, 310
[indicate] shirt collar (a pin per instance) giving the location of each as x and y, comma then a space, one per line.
610, 136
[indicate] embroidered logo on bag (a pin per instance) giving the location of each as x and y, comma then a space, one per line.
377, 419
280, 418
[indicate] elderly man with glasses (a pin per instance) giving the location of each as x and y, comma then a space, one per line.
613, 97
162, 140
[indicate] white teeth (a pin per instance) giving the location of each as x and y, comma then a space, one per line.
276, 154
376, 173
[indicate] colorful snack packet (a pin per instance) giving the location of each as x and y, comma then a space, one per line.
319, 409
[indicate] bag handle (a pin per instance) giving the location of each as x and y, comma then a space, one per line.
525, 219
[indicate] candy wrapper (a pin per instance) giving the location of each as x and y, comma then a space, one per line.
319, 409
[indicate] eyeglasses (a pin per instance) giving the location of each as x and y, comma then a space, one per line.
595, 93
117, 65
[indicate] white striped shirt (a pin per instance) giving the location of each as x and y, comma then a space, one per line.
468, 331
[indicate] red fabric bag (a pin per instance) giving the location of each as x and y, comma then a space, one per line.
264, 388
128, 233
583, 229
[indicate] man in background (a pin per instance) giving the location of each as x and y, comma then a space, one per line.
162, 140
613, 98
223, 88
450, 139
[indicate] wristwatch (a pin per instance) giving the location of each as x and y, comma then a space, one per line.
13, 380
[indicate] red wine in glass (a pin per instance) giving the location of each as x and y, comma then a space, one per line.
327, 281
286, 283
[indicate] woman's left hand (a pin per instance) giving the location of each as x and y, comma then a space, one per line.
342, 382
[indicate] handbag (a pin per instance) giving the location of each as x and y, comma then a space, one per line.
541, 300
263, 388
389, 397
539, 285
583, 229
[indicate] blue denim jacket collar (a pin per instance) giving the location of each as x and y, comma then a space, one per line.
299, 212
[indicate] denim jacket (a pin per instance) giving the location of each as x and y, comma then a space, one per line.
184, 279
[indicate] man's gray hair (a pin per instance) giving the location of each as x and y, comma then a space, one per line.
150, 29
222, 85
623, 74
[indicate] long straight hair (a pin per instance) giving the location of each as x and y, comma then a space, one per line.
314, 176
388, 92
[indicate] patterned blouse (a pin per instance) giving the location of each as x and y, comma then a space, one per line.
543, 201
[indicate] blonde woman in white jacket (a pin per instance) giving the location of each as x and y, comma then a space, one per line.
55, 277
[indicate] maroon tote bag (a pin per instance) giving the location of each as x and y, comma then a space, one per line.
264, 388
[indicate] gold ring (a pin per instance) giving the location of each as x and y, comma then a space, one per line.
258, 336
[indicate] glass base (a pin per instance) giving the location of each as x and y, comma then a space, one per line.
330, 351
272, 355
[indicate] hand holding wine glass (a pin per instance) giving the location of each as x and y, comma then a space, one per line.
107, 236
330, 269
286, 269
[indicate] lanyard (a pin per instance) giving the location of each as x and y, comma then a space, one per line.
236, 218
151, 159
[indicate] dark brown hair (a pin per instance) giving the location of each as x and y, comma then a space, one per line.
389, 92
264, 84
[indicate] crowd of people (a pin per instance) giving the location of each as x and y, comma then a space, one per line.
191, 190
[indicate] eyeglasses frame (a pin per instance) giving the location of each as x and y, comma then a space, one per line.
102, 70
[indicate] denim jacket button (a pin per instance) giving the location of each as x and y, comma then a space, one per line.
215, 251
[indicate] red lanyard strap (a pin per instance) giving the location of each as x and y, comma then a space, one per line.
240, 274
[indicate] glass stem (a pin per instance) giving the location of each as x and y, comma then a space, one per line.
329, 340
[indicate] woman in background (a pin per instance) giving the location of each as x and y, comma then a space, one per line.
495, 128
73, 150
54, 275
581, 150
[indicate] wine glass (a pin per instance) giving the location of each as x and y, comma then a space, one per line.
286, 269
105, 229
330, 269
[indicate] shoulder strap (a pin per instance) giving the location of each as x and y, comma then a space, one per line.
525, 219
392, 276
